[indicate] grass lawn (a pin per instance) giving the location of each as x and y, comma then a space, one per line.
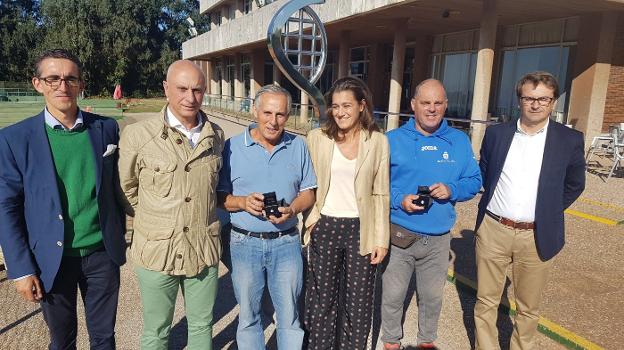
12, 112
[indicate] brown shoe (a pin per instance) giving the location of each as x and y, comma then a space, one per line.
392, 346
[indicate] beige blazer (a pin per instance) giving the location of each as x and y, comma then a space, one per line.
371, 186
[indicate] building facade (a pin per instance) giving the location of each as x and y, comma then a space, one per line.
477, 48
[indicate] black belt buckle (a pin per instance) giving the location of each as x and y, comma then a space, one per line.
268, 235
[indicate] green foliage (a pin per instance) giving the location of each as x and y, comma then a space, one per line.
127, 42
19, 33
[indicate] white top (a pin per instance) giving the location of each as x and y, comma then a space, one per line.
340, 201
193, 134
516, 190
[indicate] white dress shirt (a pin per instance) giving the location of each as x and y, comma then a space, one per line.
191, 134
516, 191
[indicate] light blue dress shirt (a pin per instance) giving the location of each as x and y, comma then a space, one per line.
55, 124
249, 167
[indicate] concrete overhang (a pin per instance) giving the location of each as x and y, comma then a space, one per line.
374, 20
208, 5
245, 30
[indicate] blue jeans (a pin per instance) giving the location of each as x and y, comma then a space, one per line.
256, 262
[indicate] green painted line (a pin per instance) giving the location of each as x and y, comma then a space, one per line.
550, 329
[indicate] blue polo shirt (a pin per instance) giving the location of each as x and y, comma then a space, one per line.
249, 167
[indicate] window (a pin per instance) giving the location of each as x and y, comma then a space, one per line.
547, 46
246, 75
218, 71
458, 81
327, 78
216, 17
454, 64
268, 72
358, 64
247, 6
230, 75
406, 88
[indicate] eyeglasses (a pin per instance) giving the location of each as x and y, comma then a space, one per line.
55, 81
543, 101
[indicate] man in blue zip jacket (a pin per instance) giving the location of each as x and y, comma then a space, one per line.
425, 153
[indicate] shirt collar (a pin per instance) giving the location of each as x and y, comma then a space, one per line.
249, 141
519, 128
52, 122
175, 123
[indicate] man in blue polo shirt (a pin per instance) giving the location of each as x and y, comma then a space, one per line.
264, 159
431, 168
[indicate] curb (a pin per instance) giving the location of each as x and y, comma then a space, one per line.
550, 329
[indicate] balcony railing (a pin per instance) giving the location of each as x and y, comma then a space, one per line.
304, 117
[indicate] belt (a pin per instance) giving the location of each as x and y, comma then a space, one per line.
267, 235
511, 223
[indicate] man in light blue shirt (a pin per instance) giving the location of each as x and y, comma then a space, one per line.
263, 159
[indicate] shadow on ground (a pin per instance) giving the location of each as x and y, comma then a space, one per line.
464, 261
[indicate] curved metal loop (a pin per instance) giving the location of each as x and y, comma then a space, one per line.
310, 51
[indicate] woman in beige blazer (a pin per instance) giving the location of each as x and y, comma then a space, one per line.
347, 228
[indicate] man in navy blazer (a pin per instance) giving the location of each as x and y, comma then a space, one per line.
61, 227
533, 169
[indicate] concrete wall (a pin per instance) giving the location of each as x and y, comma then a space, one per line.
614, 106
588, 93
244, 30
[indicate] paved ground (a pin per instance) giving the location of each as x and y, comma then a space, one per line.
584, 294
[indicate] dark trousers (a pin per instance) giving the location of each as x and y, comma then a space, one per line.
97, 277
335, 260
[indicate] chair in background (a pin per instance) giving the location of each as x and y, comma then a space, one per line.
618, 149
602, 144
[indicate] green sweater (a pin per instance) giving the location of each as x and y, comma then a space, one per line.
75, 176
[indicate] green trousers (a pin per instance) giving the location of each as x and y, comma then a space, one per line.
158, 297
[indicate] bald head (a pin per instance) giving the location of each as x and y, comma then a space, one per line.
185, 67
429, 84
184, 88
429, 106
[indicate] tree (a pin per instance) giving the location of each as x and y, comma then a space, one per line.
19, 34
131, 42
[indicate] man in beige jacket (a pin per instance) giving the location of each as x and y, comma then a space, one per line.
169, 168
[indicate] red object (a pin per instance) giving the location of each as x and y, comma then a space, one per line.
117, 95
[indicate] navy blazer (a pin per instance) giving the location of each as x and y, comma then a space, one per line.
31, 221
561, 180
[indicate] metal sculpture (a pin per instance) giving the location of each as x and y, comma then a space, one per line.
298, 45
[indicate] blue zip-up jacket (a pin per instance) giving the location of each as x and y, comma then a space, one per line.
415, 159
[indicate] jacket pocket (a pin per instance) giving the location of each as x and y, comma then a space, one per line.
157, 176
155, 255
153, 227
208, 245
